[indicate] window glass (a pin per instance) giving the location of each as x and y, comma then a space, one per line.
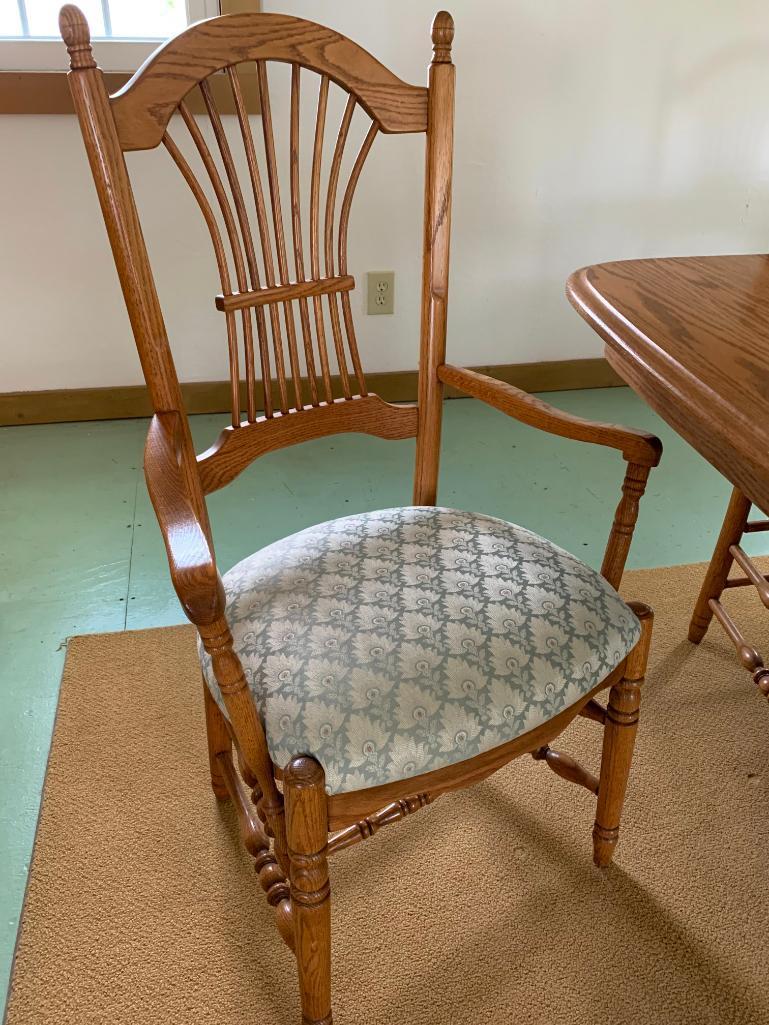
43, 17
157, 19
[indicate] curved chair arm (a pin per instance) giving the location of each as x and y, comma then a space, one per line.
190, 554
640, 450
636, 446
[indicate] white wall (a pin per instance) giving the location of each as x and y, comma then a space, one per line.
585, 131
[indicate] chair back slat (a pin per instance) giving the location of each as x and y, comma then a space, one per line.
221, 261
264, 236
317, 157
248, 245
235, 248
273, 182
328, 238
296, 232
344, 219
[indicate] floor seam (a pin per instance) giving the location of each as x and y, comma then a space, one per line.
131, 551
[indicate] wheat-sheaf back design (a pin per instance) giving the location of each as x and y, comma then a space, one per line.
277, 279
279, 236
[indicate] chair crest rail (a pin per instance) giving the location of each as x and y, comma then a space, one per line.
144, 106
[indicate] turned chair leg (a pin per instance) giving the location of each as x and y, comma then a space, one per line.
618, 741
307, 829
218, 740
718, 571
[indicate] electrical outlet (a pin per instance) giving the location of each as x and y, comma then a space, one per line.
380, 291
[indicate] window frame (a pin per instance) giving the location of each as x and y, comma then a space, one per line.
113, 54
44, 90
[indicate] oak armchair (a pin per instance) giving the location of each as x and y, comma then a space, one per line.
359, 669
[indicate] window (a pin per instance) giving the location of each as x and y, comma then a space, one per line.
124, 32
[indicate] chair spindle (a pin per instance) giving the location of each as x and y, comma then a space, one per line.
277, 218
344, 220
296, 230
317, 156
216, 238
248, 244
333, 182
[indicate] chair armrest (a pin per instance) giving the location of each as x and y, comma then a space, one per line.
636, 446
190, 554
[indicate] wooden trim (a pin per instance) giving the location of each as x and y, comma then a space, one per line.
47, 92
44, 92
126, 401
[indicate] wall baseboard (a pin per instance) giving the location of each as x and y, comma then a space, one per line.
128, 401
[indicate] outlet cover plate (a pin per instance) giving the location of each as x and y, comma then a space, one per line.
380, 292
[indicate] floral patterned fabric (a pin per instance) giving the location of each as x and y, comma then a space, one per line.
393, 643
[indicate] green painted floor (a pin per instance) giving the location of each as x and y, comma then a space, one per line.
81, 552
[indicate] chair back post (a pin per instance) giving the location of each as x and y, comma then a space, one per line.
435, 265
105, 156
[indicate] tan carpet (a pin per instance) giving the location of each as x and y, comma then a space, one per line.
484, 908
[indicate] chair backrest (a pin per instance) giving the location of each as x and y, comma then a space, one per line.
289, 321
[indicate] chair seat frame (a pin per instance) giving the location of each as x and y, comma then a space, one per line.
288, 822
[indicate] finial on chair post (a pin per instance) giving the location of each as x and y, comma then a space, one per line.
442, 35
77, 36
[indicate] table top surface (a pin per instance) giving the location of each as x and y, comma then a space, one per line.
691, 336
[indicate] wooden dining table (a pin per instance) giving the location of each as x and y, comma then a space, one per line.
691, 337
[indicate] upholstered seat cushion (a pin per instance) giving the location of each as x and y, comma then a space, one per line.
393, 643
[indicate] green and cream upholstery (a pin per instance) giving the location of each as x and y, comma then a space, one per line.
392, 643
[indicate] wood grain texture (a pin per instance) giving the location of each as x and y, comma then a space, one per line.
296, 230
307, 824
726, 552
248, 728
143, 108
257, 843
237, 447
566, 767
219, 742
636, 446
618, 741
439, 152
225, 208
691, 336
187, 540
293, 290
623, 525
748, 656
201, 594
594, 711
752, 574
371, 825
